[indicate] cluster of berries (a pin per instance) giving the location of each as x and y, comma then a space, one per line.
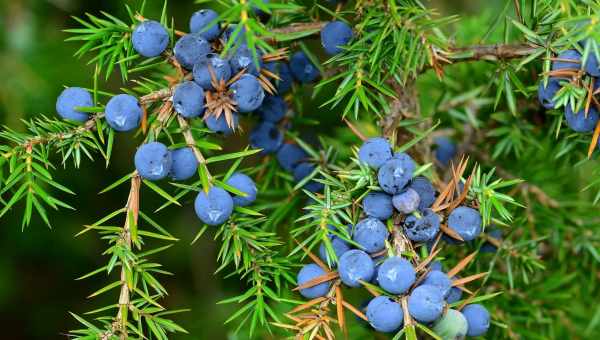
569, 68
370, 262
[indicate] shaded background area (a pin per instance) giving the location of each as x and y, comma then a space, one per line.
38, 267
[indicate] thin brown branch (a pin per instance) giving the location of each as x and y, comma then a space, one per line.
489, 52
132, 210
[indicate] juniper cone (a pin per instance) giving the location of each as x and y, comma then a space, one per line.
437, 165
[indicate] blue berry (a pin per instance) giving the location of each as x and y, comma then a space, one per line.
244, 184
445, 151
355, 266
123, 112
571, 59
478, 319
425, 190
396, 275
440, 280
378, 205
215, 207
591, 65
290, 155
243, 58
466, 222
435, 265
153, 161
407, 201
211, 65
273, 109
452, 325
188, 99
334, 35
310, 272
303, 170
454, 295
580, 122
191, 49
425, 303
200, 23
284, 83
547, 93
422, 227
371, 234
375, 151
247, 93
395, 173
150, 38
339, 248
70, 99
184, 164
229, 32
220, 125
488, 247
384, 314
266, 136
302, 68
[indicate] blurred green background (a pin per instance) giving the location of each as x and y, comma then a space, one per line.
38, 266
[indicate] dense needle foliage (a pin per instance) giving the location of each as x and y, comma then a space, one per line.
464, 84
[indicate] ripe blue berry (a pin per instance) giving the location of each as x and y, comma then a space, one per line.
395, 173
407, 201
150, 38
290, 155
203, 22
281, 69
123, 112
591, 65
570, 59
547, 93
230, 31
478, 319
426, 303
371, 234
375, 151
396, 275
309, 272
266, 136
440, 280
220, 125
425, 190
188, 99
466, 222
244, 184
70, 99
215, 207
422, 227
153, 161
334, 35
273, 109
184, 164
454, 295
191, 49
435, 265
247, 93
384, 314
488, 247
445, 150
378, 205
452, 325
355, 266
302, 68
580, 122
302, 171
243, 58
339, 248
209, 66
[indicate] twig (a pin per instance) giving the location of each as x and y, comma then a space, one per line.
132, 207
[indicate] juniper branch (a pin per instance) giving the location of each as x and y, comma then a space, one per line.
132, 208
